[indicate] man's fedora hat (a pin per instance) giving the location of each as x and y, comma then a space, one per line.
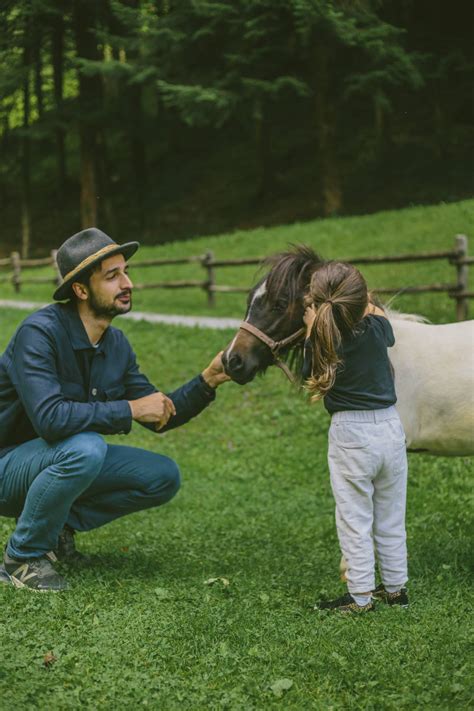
81, 252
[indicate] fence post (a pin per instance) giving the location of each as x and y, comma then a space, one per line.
54, 260
462, 277
16, 266
211, 279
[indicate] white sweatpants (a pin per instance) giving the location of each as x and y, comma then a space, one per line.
368, 467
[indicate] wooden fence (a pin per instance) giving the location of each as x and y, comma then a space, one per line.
457, 257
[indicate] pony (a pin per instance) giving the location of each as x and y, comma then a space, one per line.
433, 367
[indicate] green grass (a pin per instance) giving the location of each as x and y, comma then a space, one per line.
410, 230
140, 627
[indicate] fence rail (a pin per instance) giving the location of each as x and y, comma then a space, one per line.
457, 257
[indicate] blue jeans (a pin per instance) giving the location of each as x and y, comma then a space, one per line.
80, 481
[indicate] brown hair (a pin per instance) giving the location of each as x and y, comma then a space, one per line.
338, 294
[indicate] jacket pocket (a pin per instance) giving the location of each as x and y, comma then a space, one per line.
72, 391
115, 392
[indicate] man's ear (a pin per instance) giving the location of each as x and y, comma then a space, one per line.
81, 292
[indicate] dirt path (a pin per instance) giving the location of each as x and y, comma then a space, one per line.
172, 319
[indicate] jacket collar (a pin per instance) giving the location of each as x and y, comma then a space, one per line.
75, 328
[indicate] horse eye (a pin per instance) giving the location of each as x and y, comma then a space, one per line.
280, 306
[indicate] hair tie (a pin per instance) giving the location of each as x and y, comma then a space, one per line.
329, 301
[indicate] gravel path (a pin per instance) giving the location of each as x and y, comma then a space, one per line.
175, 320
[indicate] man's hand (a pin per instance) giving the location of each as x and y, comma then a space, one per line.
156, 408
214, 374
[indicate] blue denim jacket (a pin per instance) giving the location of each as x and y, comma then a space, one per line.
54, 384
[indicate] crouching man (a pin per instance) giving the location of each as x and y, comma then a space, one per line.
66, 378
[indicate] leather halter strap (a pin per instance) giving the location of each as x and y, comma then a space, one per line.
275, 346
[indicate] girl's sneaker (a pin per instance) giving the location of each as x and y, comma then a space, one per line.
345, 604
400, 597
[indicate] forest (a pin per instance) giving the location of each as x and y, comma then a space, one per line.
161, 120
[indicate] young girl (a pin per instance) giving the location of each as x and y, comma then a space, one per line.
346, 363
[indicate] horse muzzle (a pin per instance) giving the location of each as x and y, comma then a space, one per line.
241, 370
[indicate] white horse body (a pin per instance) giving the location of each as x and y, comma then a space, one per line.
434, 382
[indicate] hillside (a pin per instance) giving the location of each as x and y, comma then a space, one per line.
413, 229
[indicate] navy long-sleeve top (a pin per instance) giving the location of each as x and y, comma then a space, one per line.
54, 383
364, 379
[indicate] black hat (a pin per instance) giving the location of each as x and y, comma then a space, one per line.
81, 251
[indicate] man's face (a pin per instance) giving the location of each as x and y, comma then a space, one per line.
110, 288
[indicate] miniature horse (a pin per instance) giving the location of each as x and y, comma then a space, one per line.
434, 377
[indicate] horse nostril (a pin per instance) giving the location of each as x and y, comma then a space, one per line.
235, 362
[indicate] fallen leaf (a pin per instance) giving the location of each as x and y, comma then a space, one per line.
280, 686
49, 659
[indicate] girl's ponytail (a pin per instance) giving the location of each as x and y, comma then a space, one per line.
338, 294
325, 340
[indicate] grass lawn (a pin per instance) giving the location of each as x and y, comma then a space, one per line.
415, 229
140, 626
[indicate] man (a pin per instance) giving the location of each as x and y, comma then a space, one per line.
66, 378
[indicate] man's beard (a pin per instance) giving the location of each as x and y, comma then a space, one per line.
100, 309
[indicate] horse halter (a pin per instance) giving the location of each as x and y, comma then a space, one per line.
275, 346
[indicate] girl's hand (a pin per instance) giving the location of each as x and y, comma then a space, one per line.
308, 318
374, 310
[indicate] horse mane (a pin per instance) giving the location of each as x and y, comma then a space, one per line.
292, 270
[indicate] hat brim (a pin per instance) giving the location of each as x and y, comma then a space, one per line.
64, 291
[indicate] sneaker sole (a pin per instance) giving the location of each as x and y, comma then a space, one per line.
19, 585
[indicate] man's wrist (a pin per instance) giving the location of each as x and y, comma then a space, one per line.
132, 407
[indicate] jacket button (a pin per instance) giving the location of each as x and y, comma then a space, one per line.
94, 391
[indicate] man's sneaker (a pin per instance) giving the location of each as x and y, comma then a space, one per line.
345, 604
400, 597
66, 549
36, 574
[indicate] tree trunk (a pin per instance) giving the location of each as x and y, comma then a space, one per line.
105, 190
263, 151
325, 124
38, 68
136, 134
57, 51
25, 155
90, 95
88, 176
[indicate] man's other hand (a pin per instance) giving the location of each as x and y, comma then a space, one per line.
214, 374
155, 408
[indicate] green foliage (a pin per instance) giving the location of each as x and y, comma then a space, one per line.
314, 97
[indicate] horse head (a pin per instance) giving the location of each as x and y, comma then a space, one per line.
274, 314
